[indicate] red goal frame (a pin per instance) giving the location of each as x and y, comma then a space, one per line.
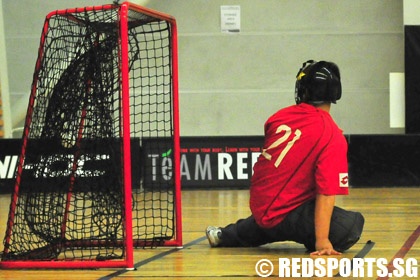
128, 261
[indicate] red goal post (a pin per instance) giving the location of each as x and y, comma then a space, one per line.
104, 97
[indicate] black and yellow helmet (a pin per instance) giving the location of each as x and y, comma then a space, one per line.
318, 82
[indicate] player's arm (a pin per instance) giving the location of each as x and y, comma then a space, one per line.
324, 205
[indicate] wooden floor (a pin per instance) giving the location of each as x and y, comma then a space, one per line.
392, 223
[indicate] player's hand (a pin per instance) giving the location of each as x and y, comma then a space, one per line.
324, 247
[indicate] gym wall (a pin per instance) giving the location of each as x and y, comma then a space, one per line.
231, 83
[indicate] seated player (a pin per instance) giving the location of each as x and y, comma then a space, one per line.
301, 169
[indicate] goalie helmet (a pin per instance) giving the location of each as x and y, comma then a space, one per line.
318, 82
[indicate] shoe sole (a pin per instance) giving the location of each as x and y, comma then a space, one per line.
210, 238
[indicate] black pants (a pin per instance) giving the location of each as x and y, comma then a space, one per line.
345, 229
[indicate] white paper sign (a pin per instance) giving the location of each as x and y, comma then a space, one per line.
230, 19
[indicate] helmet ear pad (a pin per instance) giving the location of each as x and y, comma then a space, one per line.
318, 82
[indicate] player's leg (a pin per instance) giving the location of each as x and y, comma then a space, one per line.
345, 229
243, 233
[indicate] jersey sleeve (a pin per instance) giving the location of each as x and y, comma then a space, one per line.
331, 174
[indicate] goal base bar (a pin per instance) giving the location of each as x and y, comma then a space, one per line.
63, 264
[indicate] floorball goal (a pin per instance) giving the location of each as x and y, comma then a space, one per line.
98, 171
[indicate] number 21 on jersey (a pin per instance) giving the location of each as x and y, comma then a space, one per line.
287, 132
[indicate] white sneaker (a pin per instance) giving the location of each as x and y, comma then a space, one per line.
213, 235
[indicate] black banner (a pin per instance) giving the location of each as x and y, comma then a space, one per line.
213, 162
205, 161
47, 164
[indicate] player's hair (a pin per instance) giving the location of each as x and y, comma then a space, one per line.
318, 82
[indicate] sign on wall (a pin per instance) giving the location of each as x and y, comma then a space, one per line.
226, 162
230, 19
205, 163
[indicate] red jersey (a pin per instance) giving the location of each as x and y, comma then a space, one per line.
304, 154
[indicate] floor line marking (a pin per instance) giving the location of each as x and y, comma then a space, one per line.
403, 251
156, 257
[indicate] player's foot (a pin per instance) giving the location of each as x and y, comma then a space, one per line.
213, 235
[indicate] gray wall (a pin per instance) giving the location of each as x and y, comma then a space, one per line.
230, 83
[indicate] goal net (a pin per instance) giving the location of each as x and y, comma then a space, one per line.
98, 172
